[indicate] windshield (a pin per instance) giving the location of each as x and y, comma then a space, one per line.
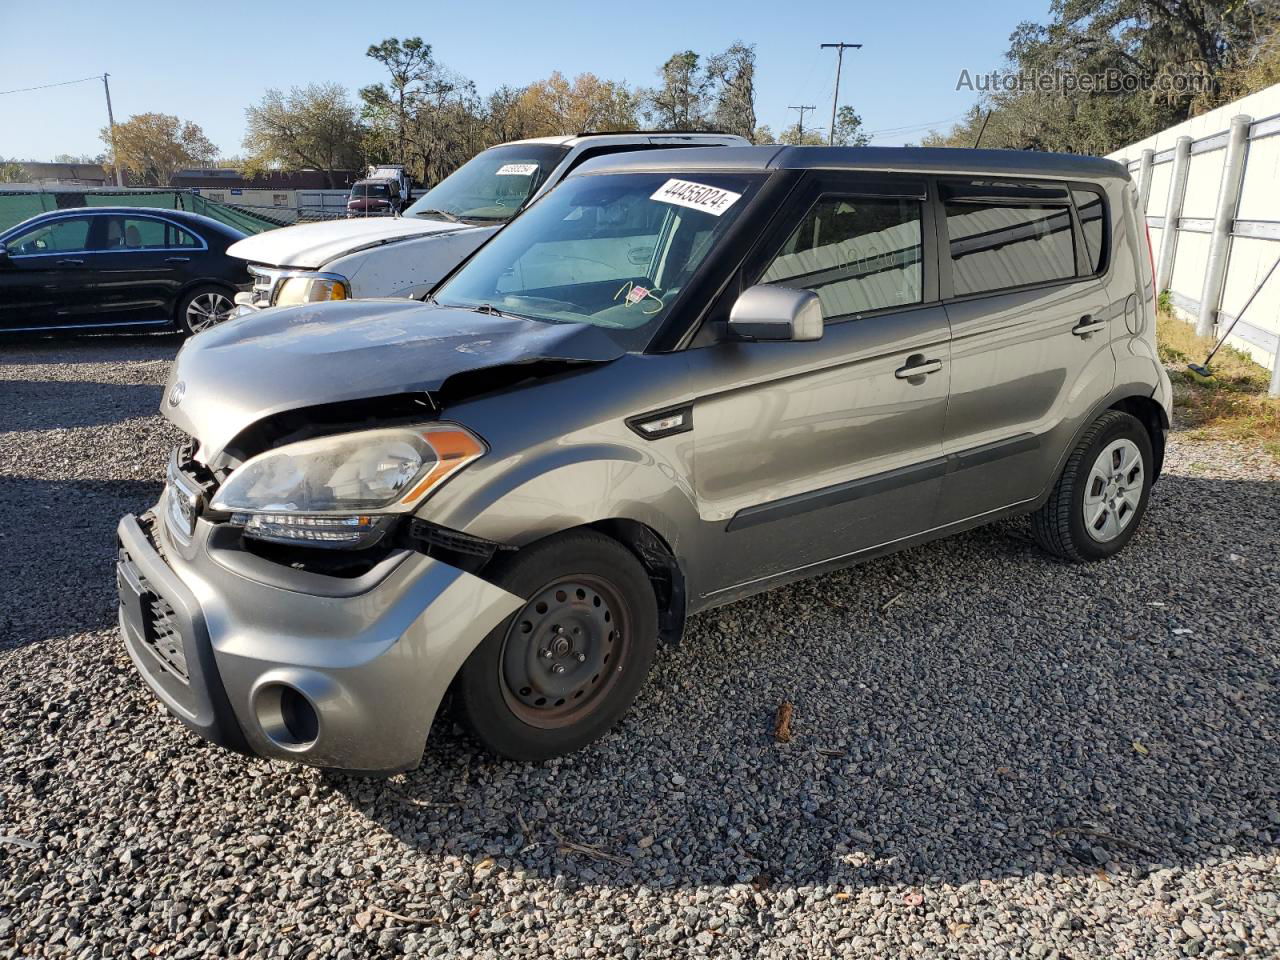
612, 250
369, 190
492, 186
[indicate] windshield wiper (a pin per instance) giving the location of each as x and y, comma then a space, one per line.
451, 217
488, 308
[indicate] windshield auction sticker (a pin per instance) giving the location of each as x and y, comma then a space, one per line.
517, 170
696, 196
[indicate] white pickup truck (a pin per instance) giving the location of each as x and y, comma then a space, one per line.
406, 256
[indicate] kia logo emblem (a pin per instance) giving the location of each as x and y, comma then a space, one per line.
177, 393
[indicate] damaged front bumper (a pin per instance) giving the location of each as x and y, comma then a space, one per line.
334, 672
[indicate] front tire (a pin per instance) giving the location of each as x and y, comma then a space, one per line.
1099, 500
559, 672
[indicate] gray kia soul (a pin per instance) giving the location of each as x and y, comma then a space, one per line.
678, 379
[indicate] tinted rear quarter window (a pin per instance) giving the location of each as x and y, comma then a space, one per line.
998, 244
1092, 213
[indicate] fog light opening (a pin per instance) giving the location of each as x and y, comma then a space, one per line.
287, 717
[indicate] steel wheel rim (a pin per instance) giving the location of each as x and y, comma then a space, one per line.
208, 309
1113, 490
564, 651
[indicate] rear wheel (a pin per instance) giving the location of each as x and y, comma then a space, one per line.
1099, 500
204, 307
559, 672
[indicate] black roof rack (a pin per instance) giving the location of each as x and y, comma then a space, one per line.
618, 133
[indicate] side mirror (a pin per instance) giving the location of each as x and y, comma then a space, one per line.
766, 312
4, 253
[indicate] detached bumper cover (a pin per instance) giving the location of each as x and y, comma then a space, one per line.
374, 665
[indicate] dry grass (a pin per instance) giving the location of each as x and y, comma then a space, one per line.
1233, 403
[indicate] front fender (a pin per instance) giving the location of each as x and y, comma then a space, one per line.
530, 497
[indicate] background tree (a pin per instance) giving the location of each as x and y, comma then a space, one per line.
811, 136
412, 68
733, 79
428, 117
12, 171
152, 147
556, 106
763, 134
314, 126
849, 132
505, 117
1223, 45
682, 102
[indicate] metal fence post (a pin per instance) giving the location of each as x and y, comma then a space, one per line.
1275, 375
1223, 220
1173, 213
1144, 181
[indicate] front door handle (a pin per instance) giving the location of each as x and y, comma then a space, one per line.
917, 366
1088, 325
177, 259
64, 263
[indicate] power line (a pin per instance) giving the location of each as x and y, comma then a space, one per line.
800, 122
889, 131
840, 48
46, 86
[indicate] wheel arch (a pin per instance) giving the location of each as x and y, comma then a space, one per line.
651, 549
1153, 418
660, 562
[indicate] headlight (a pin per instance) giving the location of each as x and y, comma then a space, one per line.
296, 290
343, 490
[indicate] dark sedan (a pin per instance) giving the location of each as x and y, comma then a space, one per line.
127, 268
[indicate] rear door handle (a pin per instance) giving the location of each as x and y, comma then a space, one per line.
1088, 325
917, 366
63, 263
177, 259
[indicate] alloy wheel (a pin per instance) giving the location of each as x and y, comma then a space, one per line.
207, 310
1113, 490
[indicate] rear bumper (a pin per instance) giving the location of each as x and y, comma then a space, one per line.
349, 678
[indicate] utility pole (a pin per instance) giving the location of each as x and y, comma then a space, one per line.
840, 48
111, 125
800, 124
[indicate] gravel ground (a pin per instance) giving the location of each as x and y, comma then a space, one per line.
993, 755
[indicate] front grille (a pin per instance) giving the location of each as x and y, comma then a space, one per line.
159, 627
265, 282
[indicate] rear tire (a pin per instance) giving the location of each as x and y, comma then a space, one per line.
203, 307
559, 672
1101, 496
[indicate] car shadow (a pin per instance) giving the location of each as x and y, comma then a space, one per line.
55, 405
87, 348
963, 711
57, 550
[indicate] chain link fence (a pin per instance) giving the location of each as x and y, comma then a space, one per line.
19, 202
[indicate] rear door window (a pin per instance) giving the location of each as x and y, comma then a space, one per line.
999, 242
858, 254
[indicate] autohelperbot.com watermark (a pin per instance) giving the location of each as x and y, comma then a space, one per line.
1112, 81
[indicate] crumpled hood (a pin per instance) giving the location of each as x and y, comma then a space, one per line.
252, 367
312, 245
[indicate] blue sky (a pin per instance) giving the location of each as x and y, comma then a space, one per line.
208, 62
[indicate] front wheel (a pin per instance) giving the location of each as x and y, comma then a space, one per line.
558, 673
1099, 500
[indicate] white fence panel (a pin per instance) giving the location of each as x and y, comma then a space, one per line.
1250, 238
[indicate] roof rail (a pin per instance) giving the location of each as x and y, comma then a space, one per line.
616, 133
